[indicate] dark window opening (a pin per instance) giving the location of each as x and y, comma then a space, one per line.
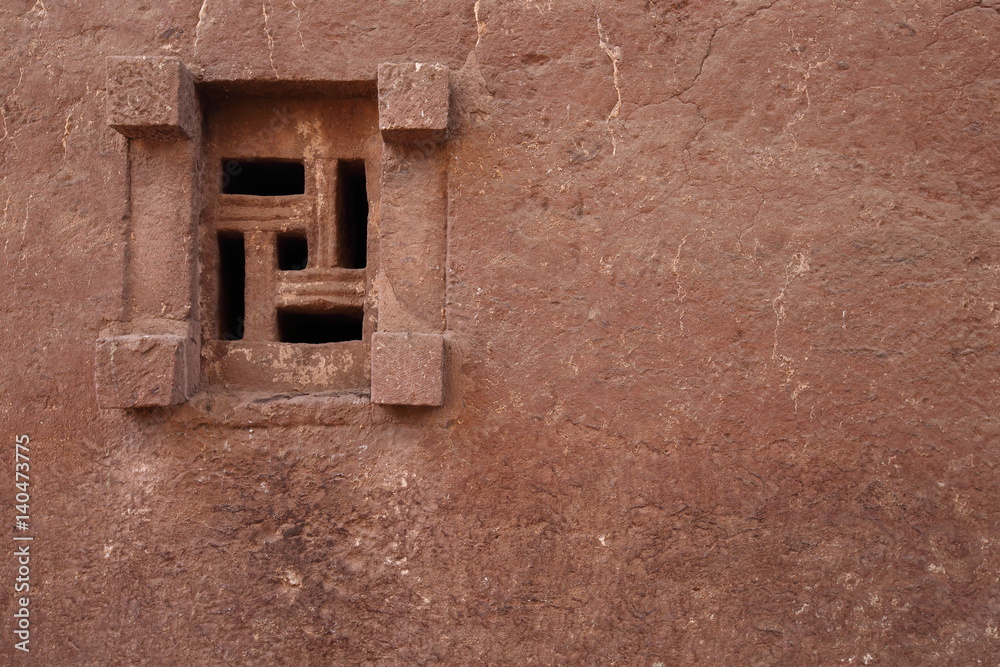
264, 178
352, 214
293, 252
232, 279
296, 326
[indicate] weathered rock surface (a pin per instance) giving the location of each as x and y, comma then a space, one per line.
722, 322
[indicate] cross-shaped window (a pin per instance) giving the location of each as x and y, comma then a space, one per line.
286, 242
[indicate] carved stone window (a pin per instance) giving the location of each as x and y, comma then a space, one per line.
283, 237
288, 187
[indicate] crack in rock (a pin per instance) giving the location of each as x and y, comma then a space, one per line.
270, 38
614, 53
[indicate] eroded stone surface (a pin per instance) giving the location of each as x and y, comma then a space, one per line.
722, 336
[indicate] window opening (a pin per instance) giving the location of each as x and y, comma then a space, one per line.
285, 241
352, 214
232, 283
293, 251
263, 178
297, 326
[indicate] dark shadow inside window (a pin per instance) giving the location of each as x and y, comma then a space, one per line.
296, 326
232, 281
263, 178
293, 251
352, 214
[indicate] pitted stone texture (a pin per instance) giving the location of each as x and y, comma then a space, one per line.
138, 371
413, 102
151, 97
744, 322
407, 369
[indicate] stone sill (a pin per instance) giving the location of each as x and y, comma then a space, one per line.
258, 409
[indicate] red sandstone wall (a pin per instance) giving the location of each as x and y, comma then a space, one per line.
722, 314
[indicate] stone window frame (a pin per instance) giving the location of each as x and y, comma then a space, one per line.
150, 355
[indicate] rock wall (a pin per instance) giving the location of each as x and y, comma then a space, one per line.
721, 321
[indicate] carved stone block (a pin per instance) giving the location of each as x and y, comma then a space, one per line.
138, 371
408, 369
151, 97
413, 102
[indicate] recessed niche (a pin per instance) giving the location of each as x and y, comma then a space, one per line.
352, 214
293, 251
263, 177
312, 327
285, 230
232, 283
